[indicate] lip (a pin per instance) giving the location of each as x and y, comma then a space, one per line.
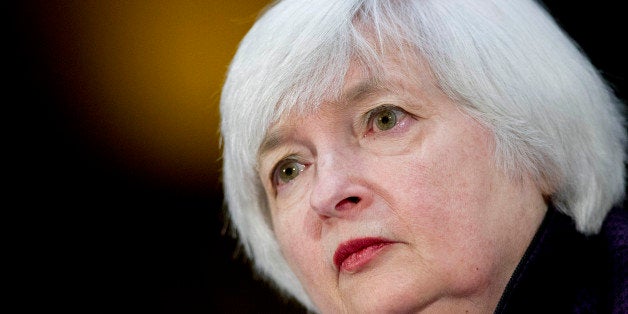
354, 254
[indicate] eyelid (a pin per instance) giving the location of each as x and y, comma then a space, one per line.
274, 170
369, 116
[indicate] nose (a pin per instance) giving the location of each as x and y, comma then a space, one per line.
340, 189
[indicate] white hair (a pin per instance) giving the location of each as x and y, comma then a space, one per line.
506, 63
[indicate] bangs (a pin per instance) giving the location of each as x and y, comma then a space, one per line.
306, 66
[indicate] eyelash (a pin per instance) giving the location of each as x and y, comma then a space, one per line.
400, 116
275, 173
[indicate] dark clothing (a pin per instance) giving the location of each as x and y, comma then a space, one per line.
564, 271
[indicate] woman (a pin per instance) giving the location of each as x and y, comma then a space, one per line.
437, 156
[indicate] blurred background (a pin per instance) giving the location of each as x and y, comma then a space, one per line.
114, 161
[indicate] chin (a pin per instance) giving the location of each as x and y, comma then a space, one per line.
389, 292
386, 302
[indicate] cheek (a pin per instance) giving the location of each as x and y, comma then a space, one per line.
441, 185
445, 200
306, 258
298, 233
462, 167
294, 223
450, 166
296, 237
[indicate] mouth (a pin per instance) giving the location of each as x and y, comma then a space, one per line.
352, 255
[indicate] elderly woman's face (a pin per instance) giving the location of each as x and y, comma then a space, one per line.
389, 200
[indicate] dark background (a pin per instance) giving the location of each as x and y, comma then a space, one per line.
96, 220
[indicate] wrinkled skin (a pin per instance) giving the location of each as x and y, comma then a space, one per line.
426, 181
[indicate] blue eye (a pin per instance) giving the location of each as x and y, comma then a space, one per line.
287, 171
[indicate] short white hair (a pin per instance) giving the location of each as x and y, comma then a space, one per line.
506, 63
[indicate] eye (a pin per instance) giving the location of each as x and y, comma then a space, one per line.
287, 171
384, 118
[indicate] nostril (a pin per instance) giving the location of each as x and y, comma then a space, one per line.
347, 203
353, 199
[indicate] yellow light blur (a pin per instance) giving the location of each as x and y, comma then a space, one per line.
154, 70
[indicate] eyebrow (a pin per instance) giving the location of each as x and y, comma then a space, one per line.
364, 89
273, 139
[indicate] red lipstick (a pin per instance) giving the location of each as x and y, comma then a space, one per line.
352, 255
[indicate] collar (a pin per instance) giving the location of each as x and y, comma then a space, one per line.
564, 271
